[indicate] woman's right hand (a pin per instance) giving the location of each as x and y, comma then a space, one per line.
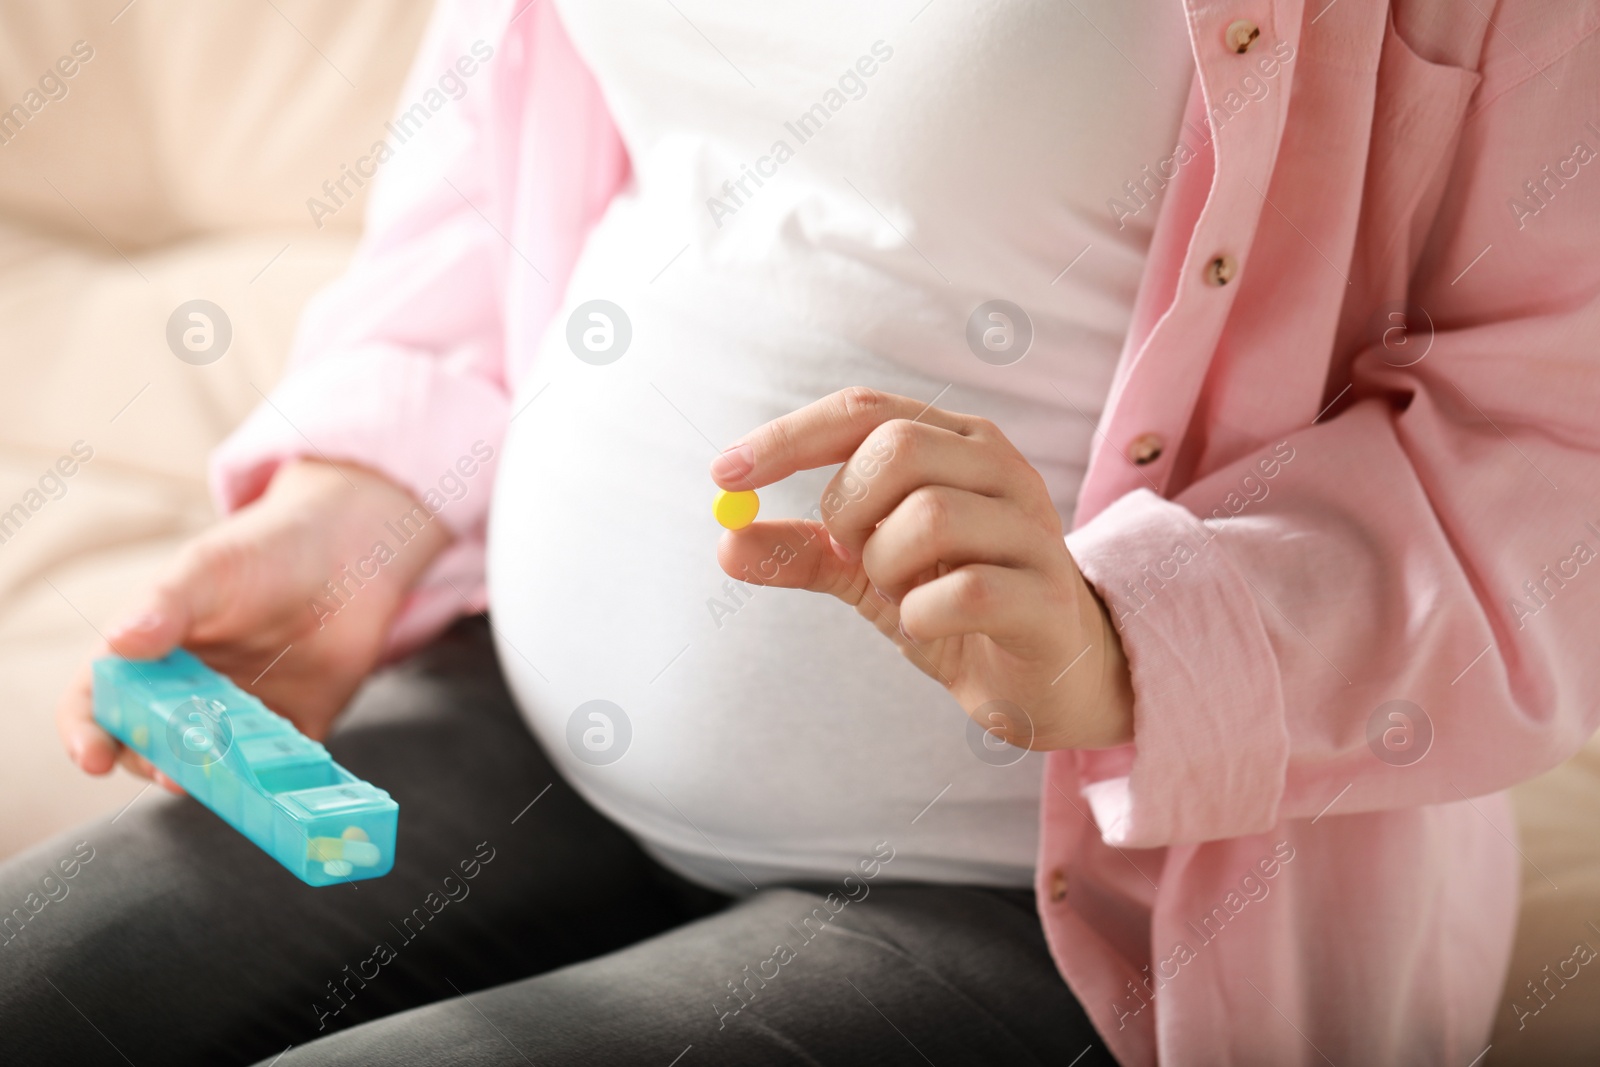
240, 596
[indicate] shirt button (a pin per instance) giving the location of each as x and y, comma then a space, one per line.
1221, 270
1241, 35
1146, 448
1058, 886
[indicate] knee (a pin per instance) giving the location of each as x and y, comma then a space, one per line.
33, 890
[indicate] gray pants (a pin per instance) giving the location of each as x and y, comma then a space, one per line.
506, 934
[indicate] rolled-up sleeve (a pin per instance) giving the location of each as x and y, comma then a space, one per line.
1212, 746
399, 365
1402, 612
1403, 615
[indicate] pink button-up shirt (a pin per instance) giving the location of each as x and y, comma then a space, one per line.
1352, 569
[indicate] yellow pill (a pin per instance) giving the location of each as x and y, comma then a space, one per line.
330, 849
354, 833
736, 510
324, 849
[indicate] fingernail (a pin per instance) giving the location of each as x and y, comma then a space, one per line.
735, 462
839, 550
75, 749
142, 622
901, 626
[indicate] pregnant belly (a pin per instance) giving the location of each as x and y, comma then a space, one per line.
743, 732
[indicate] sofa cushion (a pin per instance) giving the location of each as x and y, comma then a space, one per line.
183, 118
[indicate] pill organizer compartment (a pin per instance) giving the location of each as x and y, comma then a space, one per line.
226, 788
337, 833
250, 766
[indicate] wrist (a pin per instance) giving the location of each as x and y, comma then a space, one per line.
352, 510
1116, 677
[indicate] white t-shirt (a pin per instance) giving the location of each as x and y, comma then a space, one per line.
825, 194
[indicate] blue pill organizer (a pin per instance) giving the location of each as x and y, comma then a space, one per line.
266, 779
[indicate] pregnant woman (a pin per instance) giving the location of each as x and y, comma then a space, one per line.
1216, 777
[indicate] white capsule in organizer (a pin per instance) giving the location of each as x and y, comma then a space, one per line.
337, 868
344, 850
361, 853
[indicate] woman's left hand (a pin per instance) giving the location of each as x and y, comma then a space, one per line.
939, 532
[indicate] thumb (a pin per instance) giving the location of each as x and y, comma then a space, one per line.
795, 554
791, 554
166, 616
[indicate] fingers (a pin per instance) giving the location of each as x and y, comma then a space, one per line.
936, 524
93, 749
790, 553
90, 747
166, 616
185, 597
1004, 604
822, 433
150, 632
901, 456
794, 554
136, 764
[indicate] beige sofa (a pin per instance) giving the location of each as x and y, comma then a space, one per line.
174, 163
